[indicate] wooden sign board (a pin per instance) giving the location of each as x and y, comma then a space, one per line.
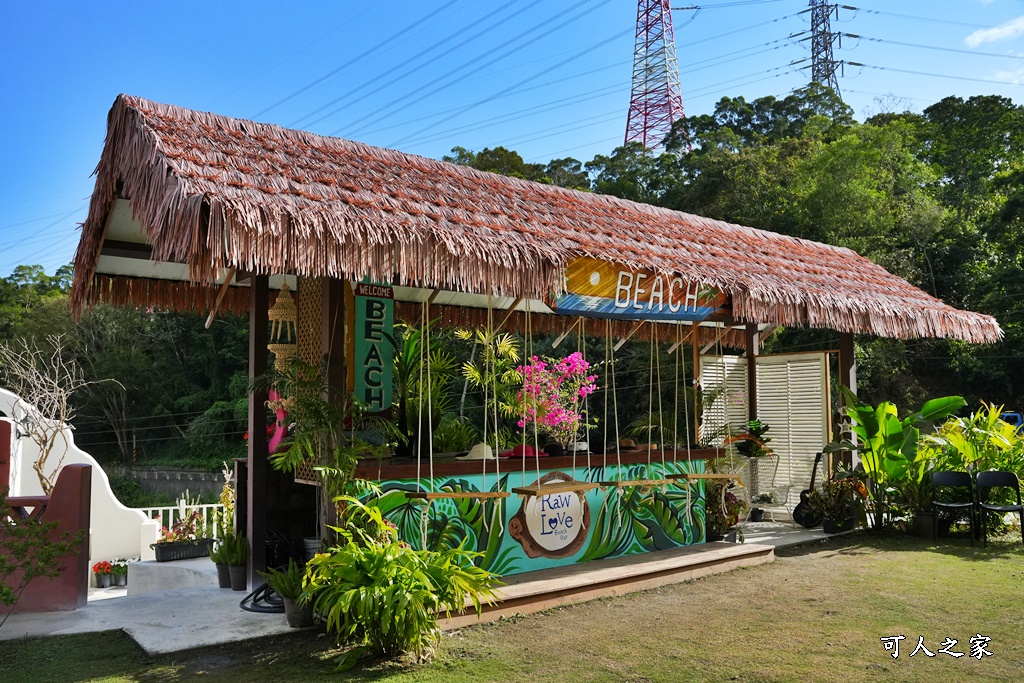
599, 289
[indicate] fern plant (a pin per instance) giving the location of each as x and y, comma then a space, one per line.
379, 593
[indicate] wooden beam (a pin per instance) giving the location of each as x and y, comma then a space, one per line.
847, 377
752, 344
511, 309
565, 334
256, 486
679, 343
120, 249
618, 344
696, 381
220, 298
707, 347
768, 334
430, 300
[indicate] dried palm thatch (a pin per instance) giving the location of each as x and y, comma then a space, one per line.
215, 192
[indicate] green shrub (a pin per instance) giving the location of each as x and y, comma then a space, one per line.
127, 490
232, 550
378, 591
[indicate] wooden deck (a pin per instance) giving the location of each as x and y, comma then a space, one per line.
541, 590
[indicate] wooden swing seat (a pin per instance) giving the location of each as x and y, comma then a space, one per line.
643, 483
456, 495
560, 487
693, 477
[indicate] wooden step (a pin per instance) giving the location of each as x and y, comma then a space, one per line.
541, 590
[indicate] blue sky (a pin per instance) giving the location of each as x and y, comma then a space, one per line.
548, 78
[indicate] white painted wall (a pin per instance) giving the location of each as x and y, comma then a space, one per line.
115, 530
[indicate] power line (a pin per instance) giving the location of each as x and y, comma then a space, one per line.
446, 40
914, 18
296, 53
935, 47
433, 14
474, 105
933, 75
403, 102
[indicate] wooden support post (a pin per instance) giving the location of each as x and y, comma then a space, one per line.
694, 341
848, 378
256, 486
568, 331
753, 345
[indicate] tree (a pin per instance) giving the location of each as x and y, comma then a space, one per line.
44, 380
496, 160
633, 172
971, 142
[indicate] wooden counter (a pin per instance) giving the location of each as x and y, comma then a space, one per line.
447, 466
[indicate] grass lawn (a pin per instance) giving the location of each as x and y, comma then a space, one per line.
816, 614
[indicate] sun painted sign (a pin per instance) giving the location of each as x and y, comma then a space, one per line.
599, 289
374, 318
552, 524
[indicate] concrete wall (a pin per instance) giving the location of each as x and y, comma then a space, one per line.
173, 481
115, 530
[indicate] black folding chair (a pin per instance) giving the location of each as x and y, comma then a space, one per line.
953, 480
993, 480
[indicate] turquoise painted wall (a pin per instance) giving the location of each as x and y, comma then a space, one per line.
625, 521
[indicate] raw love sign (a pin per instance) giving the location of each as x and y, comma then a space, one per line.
375, 317
552, 524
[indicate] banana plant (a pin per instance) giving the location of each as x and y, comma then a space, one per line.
887, 444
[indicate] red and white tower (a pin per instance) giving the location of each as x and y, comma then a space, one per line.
655, 102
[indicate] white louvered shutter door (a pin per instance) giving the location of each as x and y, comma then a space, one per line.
729, 408
793, 398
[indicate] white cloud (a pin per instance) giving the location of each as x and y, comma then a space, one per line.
1016, 76
1010, 29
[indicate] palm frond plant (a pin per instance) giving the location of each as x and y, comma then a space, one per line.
493, 372
331, 433
415, 388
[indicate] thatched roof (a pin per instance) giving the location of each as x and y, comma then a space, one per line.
215, 192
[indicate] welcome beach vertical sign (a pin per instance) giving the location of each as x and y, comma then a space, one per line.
374, 320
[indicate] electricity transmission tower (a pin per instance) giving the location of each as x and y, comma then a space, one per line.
823, 65
655, 101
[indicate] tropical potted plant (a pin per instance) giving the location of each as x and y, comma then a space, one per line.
327, 435
887, 445
102, 571
840, 502
287, 583
236, 554
722, 510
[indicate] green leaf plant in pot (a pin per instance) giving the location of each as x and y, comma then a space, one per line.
287, 583
236, 553
219, 556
